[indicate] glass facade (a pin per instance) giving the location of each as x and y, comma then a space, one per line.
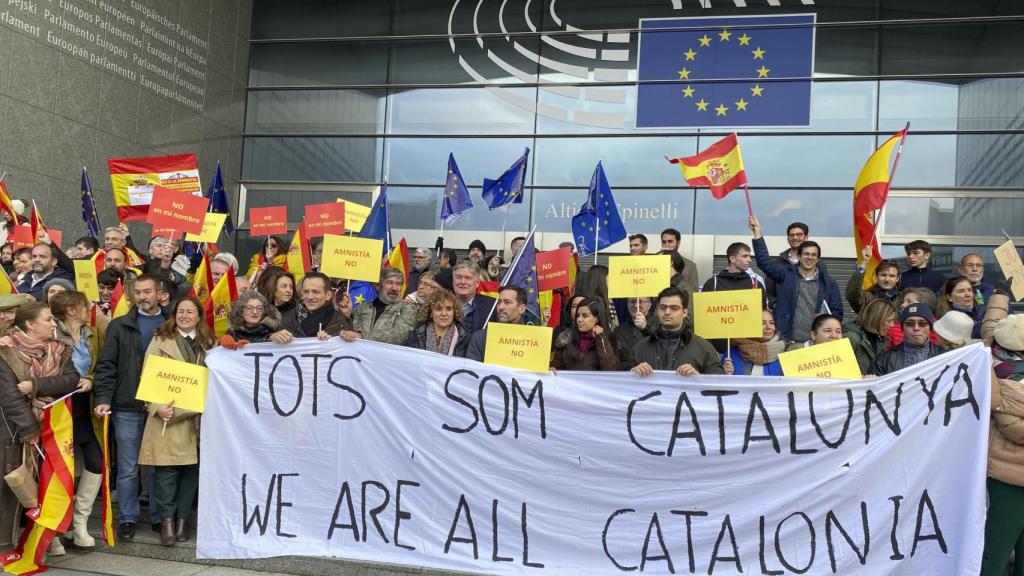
345, 95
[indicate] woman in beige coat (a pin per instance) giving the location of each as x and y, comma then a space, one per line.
170, 440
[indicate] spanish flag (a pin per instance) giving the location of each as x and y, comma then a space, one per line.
718, 168
99, 259
202, 282
6, 286
218, 305
298, 253
36, 222
56, 490
869, 195
119, 304
5, 204
399, 259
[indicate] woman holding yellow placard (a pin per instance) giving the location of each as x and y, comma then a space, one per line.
756, 356
170, 440
589, 344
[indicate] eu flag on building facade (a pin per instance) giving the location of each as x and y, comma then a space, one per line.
92, 220
523, 273
508, 188
725, 71
597, 225
456, 196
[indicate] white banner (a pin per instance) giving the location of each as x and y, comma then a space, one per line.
381, 453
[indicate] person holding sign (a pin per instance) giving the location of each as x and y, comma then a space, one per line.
589, 344
633, 329
510, 309
916, 320
673, 345
439, 327
756, 356
171, 438
273, 252
387, 319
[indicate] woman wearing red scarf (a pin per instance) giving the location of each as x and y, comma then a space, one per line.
589, 344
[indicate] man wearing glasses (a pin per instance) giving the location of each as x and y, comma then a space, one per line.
916, 320
673, 345
972, 267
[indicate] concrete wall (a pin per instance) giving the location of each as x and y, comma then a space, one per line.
83, 80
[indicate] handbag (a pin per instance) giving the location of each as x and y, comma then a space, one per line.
23, 480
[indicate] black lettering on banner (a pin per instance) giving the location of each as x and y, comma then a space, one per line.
256, 377
402, 514
494, 535
249, 519
483, 409
358, 395
735, 558
316, 375
896, 554
791, 396
719, 394
812, 542
756, 403
930, 392
282, 503
538, 392
298, 384
604, 538
846, 422
463, 506
862, 552
689, 514
655, 526
961, 373
760, 550
629, 423
893, 424
526, 540
375, 511
461, 401
344, 495
937, 531
694, 433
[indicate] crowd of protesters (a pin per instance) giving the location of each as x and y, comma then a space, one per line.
54, 340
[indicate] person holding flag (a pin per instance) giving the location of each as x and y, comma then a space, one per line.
386, 319
508, 188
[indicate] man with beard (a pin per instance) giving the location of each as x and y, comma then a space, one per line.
312, 315
510, 309
386, 319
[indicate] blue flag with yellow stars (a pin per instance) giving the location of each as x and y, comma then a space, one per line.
597, 225
456, 196
725, 71
508, 188
360, 292
523, 273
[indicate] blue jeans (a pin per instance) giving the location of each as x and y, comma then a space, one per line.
128, 428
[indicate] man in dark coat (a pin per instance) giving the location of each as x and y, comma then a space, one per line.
476, 308
312, 314
917, 320
673, 345
510, 310
919, 256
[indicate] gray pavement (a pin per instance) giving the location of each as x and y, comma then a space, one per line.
77, 563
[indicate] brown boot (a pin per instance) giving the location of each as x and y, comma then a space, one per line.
167, 532
181, 531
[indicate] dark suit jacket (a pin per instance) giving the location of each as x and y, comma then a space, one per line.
482, 306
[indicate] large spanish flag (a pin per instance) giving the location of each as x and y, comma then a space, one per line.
202, 282
869, 195
132, 180
119, 304
718, 168
297, 261
219, 303
399, 259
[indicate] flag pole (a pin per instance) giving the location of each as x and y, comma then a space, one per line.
885, 192
750, 208
597, 234
441, 236
511, 268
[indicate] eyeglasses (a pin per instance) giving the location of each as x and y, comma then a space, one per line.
916, 324
257, 309
669, 308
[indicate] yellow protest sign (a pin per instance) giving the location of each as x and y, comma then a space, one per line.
518, 346
833, 359
1013, 269
165, 379
352, 258
85, 279
355, 215
727, 314
635, 276
212, 223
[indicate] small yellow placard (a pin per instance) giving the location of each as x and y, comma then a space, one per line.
85, 279
1013, 269
834, 360
164, 379
635, 276
352, 258
519, 346
212, 223
727, 314
355, 216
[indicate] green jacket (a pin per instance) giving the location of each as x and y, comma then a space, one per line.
393, 326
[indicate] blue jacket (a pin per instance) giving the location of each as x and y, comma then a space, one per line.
788, 279
922, 278
740, 367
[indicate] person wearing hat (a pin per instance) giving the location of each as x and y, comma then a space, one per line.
477, 251
1004, 525
916, 321
954, 329
9, 305
56, 285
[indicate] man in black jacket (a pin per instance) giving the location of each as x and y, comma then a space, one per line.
673, 345
736, 276
917, 320
117, 375
476, 308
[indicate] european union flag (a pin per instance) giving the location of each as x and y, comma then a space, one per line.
377, 224
360, 291
456, 195
508, 188
725, 71
598, 222
219, 200
92, 220
523, 273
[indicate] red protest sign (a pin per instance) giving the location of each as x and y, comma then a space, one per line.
553, 269
180, 211
268, 221
55, 236
21, 237
162, 231
325, 219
